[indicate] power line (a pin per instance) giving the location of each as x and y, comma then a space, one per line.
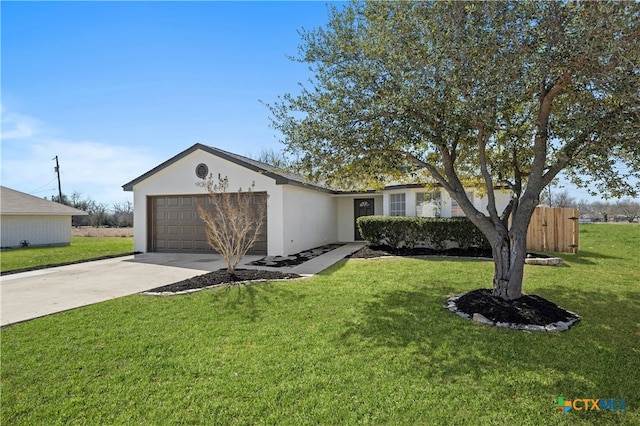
41, 186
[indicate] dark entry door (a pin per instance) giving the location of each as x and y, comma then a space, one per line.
361, 207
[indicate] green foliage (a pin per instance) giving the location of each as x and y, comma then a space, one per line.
401, 231
477, 94
470, 85
366, 342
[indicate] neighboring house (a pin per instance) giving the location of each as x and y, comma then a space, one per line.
300, 215
28, 220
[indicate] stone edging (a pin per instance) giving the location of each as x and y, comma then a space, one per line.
479, 318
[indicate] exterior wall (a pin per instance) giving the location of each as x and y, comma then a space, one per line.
502, 201
180, 178
479, 202
309, 219
346, 214
38, 230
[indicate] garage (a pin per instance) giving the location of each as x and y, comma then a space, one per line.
175, 226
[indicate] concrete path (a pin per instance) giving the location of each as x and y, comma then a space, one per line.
34, 294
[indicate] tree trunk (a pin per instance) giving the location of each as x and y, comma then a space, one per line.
509, 253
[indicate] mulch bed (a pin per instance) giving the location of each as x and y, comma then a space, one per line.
295, 259
368, 252
220, 277
528, 309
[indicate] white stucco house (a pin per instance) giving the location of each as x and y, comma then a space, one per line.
300, 215
28, 220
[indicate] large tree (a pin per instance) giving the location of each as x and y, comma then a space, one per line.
485, 94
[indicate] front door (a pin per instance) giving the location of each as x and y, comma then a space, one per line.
361, 207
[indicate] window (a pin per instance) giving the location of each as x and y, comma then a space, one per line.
428, 204
456, 210
202, 171
397, 205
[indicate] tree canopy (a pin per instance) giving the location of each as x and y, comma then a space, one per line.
478, 94
521, 88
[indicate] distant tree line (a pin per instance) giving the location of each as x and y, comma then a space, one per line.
621, 210
116, 215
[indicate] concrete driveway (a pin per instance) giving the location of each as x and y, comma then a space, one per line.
34, 294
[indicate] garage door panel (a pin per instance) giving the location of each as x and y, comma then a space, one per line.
177, 226
189, 216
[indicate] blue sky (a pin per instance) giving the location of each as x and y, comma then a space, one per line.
115, 88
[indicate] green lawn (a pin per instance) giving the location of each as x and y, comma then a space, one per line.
81, 248
368, 341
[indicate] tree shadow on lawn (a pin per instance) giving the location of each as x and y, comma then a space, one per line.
594, 359
242, 297
584, 258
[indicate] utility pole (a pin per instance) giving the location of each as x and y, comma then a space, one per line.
57, 169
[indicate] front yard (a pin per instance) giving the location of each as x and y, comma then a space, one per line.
368, 341
80, 249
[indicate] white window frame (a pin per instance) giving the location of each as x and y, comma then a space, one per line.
398, 204
431, 202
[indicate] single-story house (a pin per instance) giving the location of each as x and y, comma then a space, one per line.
300, 215
26, 220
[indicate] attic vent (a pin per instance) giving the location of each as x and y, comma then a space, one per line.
202, 171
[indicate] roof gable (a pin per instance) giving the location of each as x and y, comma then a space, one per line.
281, 178
14, 202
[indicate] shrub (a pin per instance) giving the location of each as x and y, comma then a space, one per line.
400, 231
233, 220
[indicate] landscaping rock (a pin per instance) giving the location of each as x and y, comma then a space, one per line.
549, 261
482, 319
528, 313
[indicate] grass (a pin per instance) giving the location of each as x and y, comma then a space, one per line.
366, 342
81, 248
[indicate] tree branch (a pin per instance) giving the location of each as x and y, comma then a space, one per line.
488, 181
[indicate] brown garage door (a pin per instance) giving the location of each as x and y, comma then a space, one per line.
176, 226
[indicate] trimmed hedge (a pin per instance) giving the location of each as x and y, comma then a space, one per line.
401, 231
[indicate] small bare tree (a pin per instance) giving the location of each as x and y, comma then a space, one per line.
233, 220
628, 208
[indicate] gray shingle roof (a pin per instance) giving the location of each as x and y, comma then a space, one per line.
280, 177
14, 202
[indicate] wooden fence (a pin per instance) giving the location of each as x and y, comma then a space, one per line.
553, 229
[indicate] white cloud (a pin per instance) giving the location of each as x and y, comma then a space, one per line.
16, 126
96, 169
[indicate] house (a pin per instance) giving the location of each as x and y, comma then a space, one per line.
300, 215
28, 220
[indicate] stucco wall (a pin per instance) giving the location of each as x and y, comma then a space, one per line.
346, 214
310, 219
180, 178
38, 230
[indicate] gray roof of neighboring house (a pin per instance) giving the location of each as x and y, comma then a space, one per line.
280, 177
14, 202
